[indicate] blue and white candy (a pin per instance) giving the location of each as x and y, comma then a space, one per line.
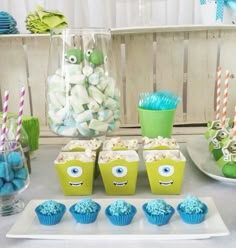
13, 175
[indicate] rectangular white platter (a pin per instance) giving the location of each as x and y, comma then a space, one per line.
28, 226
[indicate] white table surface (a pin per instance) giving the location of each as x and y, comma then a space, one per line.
44, 185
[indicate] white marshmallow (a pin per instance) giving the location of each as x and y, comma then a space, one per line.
67, 131
111, 88
93, 105
94, 79
75, 104
104, 114
84, 116
102, 84
87, 70
81, 93
111, 104
76, 79
55, 119
96, 94
84, 129
52, 99
98, 125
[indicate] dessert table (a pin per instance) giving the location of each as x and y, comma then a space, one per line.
44, 185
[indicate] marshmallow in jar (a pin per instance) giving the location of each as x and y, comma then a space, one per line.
82, 96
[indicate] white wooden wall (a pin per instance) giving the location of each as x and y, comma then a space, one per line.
180, 59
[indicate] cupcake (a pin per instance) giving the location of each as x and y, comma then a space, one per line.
192, 210
120, 213
158, 212
50, 212
85, 211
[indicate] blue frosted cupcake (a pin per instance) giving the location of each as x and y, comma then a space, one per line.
120, 213
192, 210
85, 211
50, 212
158, 212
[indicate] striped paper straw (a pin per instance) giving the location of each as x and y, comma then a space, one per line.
225, 98
234, 128
218, 93
20, 113
4, 120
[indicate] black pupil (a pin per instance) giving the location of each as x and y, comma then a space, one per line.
72, 59
166, 170
74, 170
119, 170
222, 134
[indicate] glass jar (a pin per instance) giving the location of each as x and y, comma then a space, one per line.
24, 139
82, 96
14, 177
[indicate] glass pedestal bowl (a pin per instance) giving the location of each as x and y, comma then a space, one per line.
14, 178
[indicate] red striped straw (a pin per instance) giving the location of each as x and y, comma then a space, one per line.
234, 128
225, 98
4, 120
218, 93
20, 113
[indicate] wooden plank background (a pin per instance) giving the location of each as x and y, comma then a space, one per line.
180, 59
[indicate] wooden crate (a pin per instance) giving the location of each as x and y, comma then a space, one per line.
179, 59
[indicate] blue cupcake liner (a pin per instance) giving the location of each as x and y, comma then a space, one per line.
84, 218
122, 220
49, 220
158, 220
192, 218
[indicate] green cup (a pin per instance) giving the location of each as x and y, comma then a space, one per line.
156, 122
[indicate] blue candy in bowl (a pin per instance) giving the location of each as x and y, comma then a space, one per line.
14, 177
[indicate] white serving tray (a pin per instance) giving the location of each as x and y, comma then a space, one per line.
198, 151
28, 226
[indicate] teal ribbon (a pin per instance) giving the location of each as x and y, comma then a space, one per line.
220, 7
230, 4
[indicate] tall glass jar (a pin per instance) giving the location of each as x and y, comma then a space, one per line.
82, 95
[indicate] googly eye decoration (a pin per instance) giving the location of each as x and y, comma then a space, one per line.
74, 171
119, 171
74, 56
72, 59
166, 170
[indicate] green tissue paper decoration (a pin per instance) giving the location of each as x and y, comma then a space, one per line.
41, 21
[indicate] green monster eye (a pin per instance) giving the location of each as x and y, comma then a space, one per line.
95, 57
74, 56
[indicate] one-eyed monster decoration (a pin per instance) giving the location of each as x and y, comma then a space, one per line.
95, 57
120, 175
216, 125
217, 142
75, 172
74, 56
165, 174
229, 166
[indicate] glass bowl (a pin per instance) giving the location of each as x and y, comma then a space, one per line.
14, 177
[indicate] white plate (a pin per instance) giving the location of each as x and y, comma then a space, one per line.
28, 226
198, 151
